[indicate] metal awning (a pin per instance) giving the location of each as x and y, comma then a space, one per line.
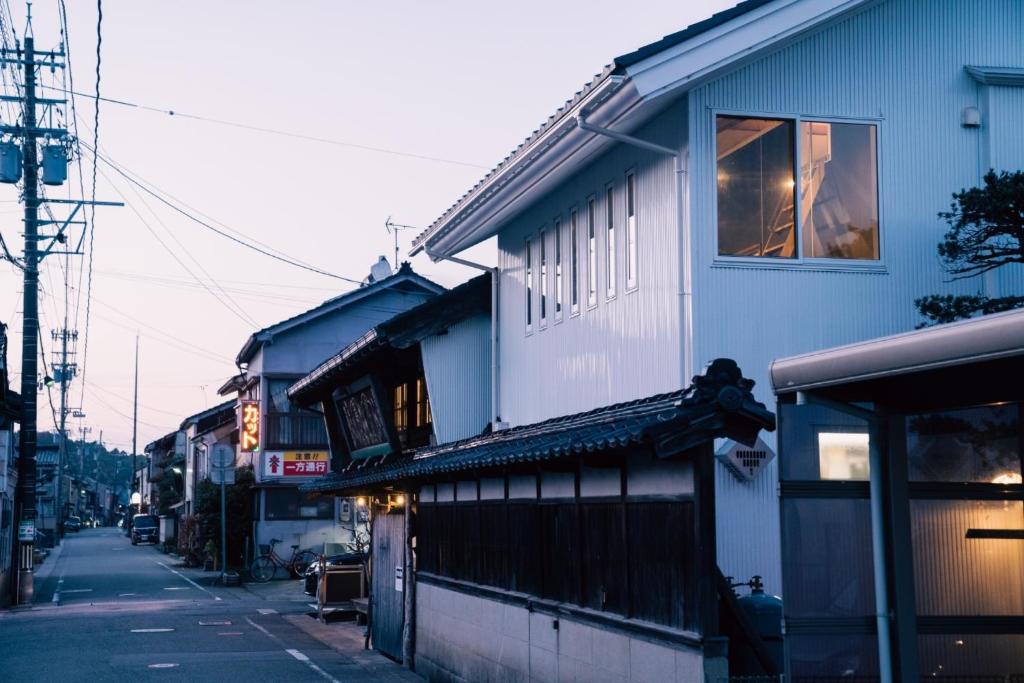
987, 349
718, 404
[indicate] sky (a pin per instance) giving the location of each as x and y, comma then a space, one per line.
451, 86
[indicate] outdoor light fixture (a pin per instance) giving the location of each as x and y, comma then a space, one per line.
48, 381
136, 498
176, 469
399, 499
1008, 478
361, 502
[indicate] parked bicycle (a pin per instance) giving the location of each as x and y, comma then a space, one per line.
266, 565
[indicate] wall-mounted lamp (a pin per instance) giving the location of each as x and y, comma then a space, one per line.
970, 117
361, 502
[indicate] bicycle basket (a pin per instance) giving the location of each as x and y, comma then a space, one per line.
264, 549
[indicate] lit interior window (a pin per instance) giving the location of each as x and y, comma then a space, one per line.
843, 455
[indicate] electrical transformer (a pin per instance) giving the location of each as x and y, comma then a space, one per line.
55, 165
10, 162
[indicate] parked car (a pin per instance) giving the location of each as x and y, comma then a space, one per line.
312, 576
145, 528
73, 524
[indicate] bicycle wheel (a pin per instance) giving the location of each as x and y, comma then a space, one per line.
302, 561
263, 569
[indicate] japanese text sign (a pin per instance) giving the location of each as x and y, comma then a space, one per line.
295, 463
249, 431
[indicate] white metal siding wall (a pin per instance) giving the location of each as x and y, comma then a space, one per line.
902, 62
457, 367
621, 349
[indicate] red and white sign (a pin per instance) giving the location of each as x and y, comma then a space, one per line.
295, 463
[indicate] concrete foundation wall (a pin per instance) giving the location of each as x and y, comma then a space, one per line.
468, 639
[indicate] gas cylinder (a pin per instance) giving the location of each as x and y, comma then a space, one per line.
765, 613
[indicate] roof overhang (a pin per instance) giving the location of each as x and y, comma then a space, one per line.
624, 97
997, 75
977, 359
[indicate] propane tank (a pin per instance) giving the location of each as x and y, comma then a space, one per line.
765, 613
55, 165
10, 162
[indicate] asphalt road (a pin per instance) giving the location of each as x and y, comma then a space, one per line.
110, 611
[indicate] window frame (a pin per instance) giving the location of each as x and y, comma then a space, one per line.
558, 271
574, 260
799, 261
528, 281
542, 290
593, 257
631, 284
611, 243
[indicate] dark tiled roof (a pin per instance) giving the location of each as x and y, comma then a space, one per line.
401, 331
617, 66
718, 404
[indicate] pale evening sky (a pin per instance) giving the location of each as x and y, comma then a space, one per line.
464, 81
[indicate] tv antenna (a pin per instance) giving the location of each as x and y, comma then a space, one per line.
393, 228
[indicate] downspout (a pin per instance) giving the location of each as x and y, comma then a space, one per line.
682, 229
495, 301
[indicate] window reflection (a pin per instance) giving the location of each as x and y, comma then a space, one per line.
972, 445
756, 194
838, 190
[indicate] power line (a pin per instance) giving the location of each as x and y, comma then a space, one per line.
249, 245
290, 134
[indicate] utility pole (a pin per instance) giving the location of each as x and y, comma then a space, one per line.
29, 134
135, 429
64, 371
25, 500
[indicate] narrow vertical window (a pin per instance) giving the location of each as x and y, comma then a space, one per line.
543, 280
591, 252
558, 269
529, 287
423, 416
609, 202
574, 263
631, 246
401, 407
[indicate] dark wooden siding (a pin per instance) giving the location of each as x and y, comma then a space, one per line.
388, 603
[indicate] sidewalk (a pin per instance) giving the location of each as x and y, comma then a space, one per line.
42, 572
281, 590
347, 638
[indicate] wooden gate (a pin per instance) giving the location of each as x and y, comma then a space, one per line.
388, 572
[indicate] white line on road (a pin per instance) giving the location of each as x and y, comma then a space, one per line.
163, 665
214, 623
180, 575
79, 590
267, 611
294, 653
56, 593
125, 595
152, 630
177, 588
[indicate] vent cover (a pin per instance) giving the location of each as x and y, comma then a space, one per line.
743, 461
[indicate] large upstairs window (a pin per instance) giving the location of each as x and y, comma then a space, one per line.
794, 188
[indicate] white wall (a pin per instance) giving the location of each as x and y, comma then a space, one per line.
457, 366
460, 637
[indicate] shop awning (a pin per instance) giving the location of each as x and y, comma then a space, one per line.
718, 404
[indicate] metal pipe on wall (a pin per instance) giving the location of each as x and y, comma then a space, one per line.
682, 228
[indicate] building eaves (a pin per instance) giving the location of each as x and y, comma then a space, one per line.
165, 441
718, 404
193, 419
616, 68
403, 276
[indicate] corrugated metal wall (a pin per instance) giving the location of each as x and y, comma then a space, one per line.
900, 62
623, 348
457, 366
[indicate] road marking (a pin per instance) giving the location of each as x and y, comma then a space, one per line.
177, 588
214, 623
267, 611
152, 630
294, 653
305, 660
163, 665
125, 595
79, 590
230, 633
180, 575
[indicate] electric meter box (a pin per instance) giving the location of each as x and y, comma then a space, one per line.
10, 162
55, 165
